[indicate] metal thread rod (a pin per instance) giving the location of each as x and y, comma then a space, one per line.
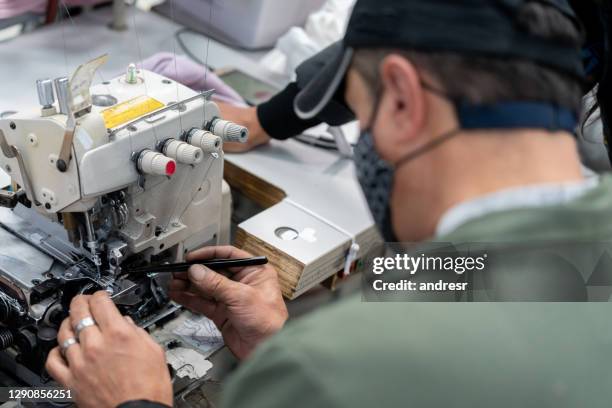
91, 237
92, 244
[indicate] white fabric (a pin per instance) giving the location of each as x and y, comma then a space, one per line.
322, 28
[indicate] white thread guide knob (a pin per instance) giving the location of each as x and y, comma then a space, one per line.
155, 163
229, 131
205, 140
183, 152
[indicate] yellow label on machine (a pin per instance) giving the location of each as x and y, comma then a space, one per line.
130, 110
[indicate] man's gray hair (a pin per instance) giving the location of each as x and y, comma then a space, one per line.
486, 80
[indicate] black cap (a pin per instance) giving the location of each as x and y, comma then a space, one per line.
473, 27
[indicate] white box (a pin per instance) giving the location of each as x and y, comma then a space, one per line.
250, 23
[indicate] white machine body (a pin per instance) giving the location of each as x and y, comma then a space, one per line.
171, 195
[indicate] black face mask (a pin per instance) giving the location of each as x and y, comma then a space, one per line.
376, 179
376, 176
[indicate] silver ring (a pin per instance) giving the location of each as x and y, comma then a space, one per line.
67, 343
83, 324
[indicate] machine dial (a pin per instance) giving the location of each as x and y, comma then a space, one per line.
182, 152
155, 163
229, 131
203, 139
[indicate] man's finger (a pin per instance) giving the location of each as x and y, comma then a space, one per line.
178, 285
105, 312
180, 276
214, 285
73, 354
79, 310
225, 252
130, 320
185, 287
58, 368
242, 274
194, 302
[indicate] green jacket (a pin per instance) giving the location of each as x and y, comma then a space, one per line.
358, 354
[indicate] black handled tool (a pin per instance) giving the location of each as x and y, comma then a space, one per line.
215, 264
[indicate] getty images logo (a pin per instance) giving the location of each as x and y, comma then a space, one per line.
414, 264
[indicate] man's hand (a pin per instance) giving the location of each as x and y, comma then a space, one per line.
247, 309
246, 117
114, 362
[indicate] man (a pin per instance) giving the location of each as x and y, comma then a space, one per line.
472, 104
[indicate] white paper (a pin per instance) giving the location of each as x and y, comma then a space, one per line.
188, 363
201, 333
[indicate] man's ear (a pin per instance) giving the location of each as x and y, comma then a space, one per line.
403, 107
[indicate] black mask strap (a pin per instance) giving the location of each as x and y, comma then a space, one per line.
427, 147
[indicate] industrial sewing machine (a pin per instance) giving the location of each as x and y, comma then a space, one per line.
120, 174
